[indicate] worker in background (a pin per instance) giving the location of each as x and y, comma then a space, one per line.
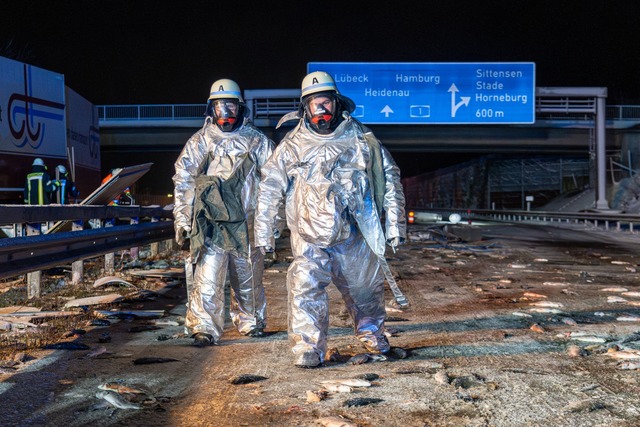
339, 182
216, 183
120, 199
66, 188
39, 185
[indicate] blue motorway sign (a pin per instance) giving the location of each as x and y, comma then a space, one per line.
438, 92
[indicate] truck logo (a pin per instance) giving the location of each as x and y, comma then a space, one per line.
26, 114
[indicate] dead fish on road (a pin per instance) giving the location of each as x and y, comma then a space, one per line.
629, 365
337, 388
150, 360
351, 382
395, 319
589, 338
587, 405
534, 295
362, 358
362, 401
545, 310
547, 304
628, 319
119, 388
143, 328
99, 322
96, 352
116, 400
520, 314
518, 265
397, 353
359, 359
556, 284
631, 338
335, 422
67, 345
74, 332
625, 354
246, 379
631, 294
165, 322
568, 321
368, 377
614, 289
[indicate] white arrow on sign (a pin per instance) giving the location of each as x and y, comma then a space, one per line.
464, 100
386, 110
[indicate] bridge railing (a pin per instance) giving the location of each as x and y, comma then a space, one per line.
274, 108
151, 112
623, 112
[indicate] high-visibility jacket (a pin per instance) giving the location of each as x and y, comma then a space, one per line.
38, 186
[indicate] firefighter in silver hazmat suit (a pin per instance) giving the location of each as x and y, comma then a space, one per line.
216, 183
337, 180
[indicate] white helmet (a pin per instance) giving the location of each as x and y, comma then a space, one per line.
225, 89
318, 81
61, 169
37, 162
321, 81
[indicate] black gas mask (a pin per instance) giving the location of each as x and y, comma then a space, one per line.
225, 113
320, 110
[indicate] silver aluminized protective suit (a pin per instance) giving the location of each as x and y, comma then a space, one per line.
336, 230
219, 154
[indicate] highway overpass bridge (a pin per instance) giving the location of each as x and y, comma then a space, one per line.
568, 122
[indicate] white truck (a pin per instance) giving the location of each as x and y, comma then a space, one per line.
41, 117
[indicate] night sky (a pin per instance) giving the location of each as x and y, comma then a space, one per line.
141, 52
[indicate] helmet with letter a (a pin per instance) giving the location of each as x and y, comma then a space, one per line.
37, 162
321, 103
226, 104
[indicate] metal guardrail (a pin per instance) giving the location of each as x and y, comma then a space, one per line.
19, 255
26, 254
20, 214
603, 220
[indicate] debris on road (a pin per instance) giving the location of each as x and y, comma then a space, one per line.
97, 300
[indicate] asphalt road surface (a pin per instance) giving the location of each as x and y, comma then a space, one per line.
529, 326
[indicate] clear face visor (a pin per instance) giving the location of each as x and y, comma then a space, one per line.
320, 110
225, 112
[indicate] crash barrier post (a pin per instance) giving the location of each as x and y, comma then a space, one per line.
33, 278
77, 267
133, 252
109, 259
